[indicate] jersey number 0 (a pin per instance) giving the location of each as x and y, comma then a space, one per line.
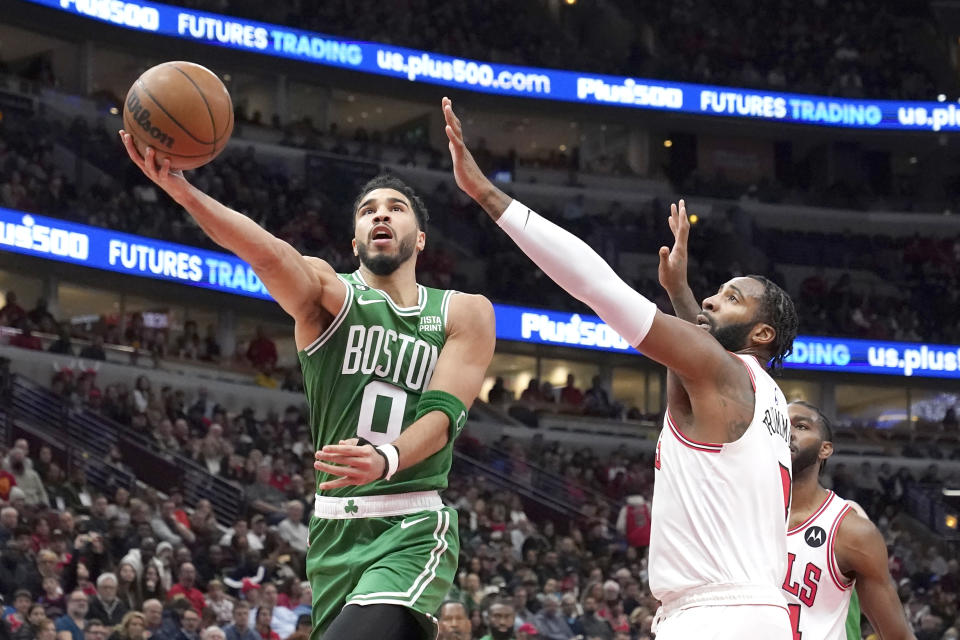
381, 398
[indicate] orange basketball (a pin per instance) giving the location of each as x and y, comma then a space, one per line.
182, 110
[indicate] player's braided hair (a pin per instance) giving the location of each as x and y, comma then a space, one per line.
777, 310
388, 181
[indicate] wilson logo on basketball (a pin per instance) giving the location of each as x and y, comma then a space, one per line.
141, 117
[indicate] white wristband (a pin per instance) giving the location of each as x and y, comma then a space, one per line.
393, 459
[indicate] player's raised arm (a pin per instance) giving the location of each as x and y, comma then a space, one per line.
307, 288
673, 266
586, 276
861, 551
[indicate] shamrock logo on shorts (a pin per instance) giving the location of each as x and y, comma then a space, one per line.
351, 507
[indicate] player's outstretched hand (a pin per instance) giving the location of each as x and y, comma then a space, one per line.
170, 180
673, 262
465, 169
352, 464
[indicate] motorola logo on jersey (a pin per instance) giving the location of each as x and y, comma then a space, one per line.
815, 536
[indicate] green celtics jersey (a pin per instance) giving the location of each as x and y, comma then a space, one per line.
364, 375
853, 617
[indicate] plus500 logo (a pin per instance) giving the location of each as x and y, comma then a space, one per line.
39, 238
118, 12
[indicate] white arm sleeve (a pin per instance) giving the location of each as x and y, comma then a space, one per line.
573, 265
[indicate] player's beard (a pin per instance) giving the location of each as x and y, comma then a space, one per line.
806, 458
732, 337
385, 264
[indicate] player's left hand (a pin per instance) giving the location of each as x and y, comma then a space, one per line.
354, 465
673, 262
468, 175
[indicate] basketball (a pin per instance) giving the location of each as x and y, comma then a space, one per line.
182, 110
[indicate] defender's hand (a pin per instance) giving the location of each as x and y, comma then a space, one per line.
170, 180
673, 262
354, 465
465, 169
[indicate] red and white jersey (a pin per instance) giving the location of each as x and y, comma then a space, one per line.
818, 595
719, 516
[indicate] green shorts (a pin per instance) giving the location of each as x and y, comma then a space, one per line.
407, 560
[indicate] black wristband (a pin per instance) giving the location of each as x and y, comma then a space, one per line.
386, 463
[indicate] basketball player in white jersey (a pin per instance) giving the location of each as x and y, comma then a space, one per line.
831, 547
722, 488
830, 541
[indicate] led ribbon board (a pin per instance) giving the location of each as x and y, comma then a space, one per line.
510, 80
80, 244
810, 353
125, 253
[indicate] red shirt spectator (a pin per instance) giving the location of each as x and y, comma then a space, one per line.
12, 313
570, 395
7, 482
185, 588
262, 351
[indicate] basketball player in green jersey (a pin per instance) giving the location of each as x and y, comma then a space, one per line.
390, 369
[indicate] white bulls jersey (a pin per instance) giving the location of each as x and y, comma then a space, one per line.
818, 595
719, 516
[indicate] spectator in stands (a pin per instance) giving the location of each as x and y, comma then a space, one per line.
262, 351
187, 576
9, 518
590, 624
212, 632
41, 317
261, 496
527, 631
70, 626
27, 479
63, 344
94, 350
550, 623
240, 629
282, 620
128, 588
131, 627
262, 626
453, 621
219, 603
189, 626
95, 631
292, 530
152, 617
570, 397
22, 600
12, 313
498, 393
241, 530
166, 526
305, 601
597, 401
521, 609
571, 612
502, 618
106, 606
532, 394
